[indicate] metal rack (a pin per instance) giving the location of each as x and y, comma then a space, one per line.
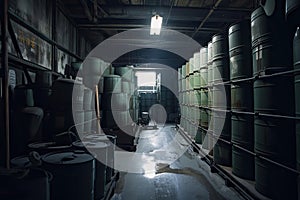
18, 61
229, 178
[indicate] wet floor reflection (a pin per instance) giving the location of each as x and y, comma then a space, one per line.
162, 176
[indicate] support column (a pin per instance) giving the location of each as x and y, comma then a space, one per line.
4, 111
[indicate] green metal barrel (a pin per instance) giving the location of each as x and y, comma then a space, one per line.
112, 84
273, 181
204, 118
203, 67
273, 140
127, 73
191, 81
198, 138
209, 63
197, 80
205, 139
222, 124
191, 66
220, 61
221, 97
197, 94
187, 68
183, 83
270, 40
242, 134
197, 61
242, 96
187, 83
222, 153
179, 73
274, 136
240, 50
242, 164
274, 95
183, 71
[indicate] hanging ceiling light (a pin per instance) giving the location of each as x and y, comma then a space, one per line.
156, 22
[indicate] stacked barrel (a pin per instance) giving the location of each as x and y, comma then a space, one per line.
221, 100
92, 70
63, 108
187, 97
180, 98
241, 100
273, 95
206, 103
114, 103
190, 128
89, 110
197, 97
183, 110
129, 85
247, 105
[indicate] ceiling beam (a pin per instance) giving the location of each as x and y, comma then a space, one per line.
207, 17
86, 10
131, 26
176, 8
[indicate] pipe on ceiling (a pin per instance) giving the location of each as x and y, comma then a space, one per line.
207, 17
170, 10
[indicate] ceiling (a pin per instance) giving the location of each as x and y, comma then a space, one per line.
198, 19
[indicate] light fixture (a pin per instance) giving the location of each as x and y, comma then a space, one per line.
156, 22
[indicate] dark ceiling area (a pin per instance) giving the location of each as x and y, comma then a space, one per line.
198, 19
149, 55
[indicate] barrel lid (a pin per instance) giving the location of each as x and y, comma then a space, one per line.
130, 67
21, 161
112, 76
90, 144
257, 12
96, 137
47, 145
197, 54
65, 158
238, 26
217, 37
65, 80
203, 50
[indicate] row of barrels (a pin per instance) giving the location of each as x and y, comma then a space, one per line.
250, 104
77, 171
116, 91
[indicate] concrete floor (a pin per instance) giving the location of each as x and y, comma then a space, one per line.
165, 168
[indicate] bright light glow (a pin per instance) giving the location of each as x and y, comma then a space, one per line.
146, 78
156, 22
